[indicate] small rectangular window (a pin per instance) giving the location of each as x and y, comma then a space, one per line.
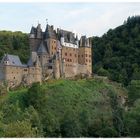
49, 67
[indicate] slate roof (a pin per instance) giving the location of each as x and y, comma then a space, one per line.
84, 41
13, 60
33, 30
42, 48
33, 59
69, 37
50, 32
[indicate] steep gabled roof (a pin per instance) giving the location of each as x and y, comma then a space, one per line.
33, 30
42, 48
69, 36
13, 60
50, 32
33, 60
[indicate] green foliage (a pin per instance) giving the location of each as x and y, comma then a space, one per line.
132, 122
102, 72
118, 51
134, 91
62, 108
36, 96
19, 129
14, 43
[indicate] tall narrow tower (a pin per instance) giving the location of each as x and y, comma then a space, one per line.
35, 37
85, 57
51, 40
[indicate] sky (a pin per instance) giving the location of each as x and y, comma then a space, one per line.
91, 19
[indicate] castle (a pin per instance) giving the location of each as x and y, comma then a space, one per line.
53, 54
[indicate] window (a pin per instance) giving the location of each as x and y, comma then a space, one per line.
70, 54
49, 67
65, 54
82, 56
25, 69
14, 77
50, 61
75, 55
86, 55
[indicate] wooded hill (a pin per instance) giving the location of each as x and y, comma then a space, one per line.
14, 43
117, 53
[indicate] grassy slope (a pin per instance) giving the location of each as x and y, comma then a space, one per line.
92, 95
89, 103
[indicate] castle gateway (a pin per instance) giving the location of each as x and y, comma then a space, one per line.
53, 54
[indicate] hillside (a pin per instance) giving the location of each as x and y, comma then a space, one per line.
14, 43
63, 108
117, 53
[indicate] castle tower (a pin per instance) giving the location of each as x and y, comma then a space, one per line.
51, 40
84, 54
42, 54
35, 37
35, 71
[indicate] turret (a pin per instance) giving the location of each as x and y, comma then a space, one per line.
50, 32
39, 31
32, 32
85, 42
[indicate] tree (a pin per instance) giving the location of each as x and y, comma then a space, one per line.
19, 129
102, 72
70, 126
36, 97
133, 91
132, 123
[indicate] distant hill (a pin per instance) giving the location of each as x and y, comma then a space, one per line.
14, 43
117, 53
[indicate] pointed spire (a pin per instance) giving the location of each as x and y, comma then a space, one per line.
42, 48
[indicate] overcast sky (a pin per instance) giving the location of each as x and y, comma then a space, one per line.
89, 19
